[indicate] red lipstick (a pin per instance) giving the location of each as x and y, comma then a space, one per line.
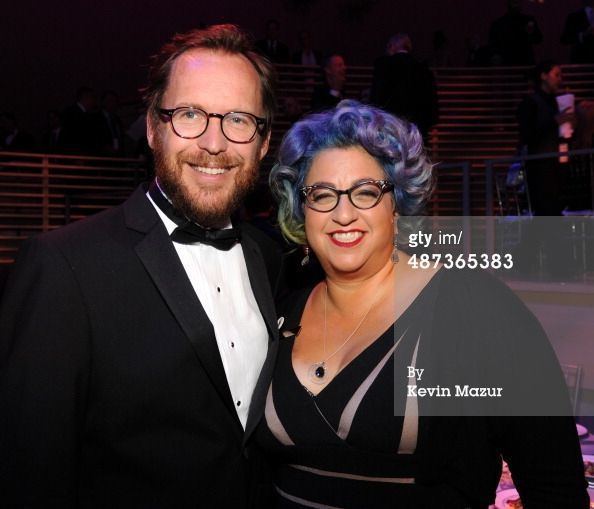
353, 243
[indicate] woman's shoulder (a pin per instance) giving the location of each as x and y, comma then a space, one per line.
477, 287
487, 309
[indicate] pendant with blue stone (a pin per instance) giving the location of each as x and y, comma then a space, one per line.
317, 373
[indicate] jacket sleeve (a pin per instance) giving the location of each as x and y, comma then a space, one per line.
536, 433
44, 359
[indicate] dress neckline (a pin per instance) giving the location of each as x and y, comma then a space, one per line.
355, 360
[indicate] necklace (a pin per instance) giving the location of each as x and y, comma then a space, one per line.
317, 371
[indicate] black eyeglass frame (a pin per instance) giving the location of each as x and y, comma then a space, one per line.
384, 186
168, 114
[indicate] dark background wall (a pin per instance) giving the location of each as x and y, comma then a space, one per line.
50, 48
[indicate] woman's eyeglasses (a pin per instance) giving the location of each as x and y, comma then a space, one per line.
364, 195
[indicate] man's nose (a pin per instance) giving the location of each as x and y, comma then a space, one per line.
213, 140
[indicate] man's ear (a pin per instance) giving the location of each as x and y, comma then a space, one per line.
265, 145
151, 130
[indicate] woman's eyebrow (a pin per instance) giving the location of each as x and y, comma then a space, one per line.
356, 182
327, 184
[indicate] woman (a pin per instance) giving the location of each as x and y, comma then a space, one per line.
539, 121
341, 427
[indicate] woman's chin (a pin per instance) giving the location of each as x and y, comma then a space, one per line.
353, 267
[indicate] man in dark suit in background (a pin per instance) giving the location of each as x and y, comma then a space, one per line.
12, 137
275, 50
81, 124
111, 131
404, 86
306, 54
578, 32
331, 92
136, 347
512, 36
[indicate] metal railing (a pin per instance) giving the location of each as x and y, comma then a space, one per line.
40, 192
491, 164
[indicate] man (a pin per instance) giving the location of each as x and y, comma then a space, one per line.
81, 124
513, 35
52, 137
331, 92
404, 86
12, 137
275, 50
131, 343
306, 55
578, 32
111, 132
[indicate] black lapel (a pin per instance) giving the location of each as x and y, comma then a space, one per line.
259, 396
161, 261
259, 281
261, 286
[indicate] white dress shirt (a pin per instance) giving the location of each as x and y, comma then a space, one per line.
220, 280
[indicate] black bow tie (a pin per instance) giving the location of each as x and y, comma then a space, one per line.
188, 232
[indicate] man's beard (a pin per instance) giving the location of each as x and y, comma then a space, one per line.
208, 206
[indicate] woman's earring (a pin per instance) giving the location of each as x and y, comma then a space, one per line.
305, 260
395, 257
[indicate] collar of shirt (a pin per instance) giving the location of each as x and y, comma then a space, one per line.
169, 224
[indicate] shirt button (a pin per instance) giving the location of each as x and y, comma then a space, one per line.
219, 289
239, 403
232, 344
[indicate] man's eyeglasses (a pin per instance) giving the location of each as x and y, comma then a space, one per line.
364, 195
237, 126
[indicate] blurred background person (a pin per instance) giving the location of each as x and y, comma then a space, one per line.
111, 132
52, 136
80, 124
276, 51
12, 137
331, 92
578, 33
512, 36
404, 86
539, 119
306, 54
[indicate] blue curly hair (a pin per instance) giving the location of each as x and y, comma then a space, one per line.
395, 144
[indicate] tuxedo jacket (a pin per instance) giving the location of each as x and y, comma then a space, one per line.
112, 390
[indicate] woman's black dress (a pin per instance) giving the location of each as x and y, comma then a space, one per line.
360, 443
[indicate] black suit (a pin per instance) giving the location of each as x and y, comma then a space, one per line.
322, 99
575, 33
80, 131
512, 38
110, 132
539, 133
405, 87
112, 389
